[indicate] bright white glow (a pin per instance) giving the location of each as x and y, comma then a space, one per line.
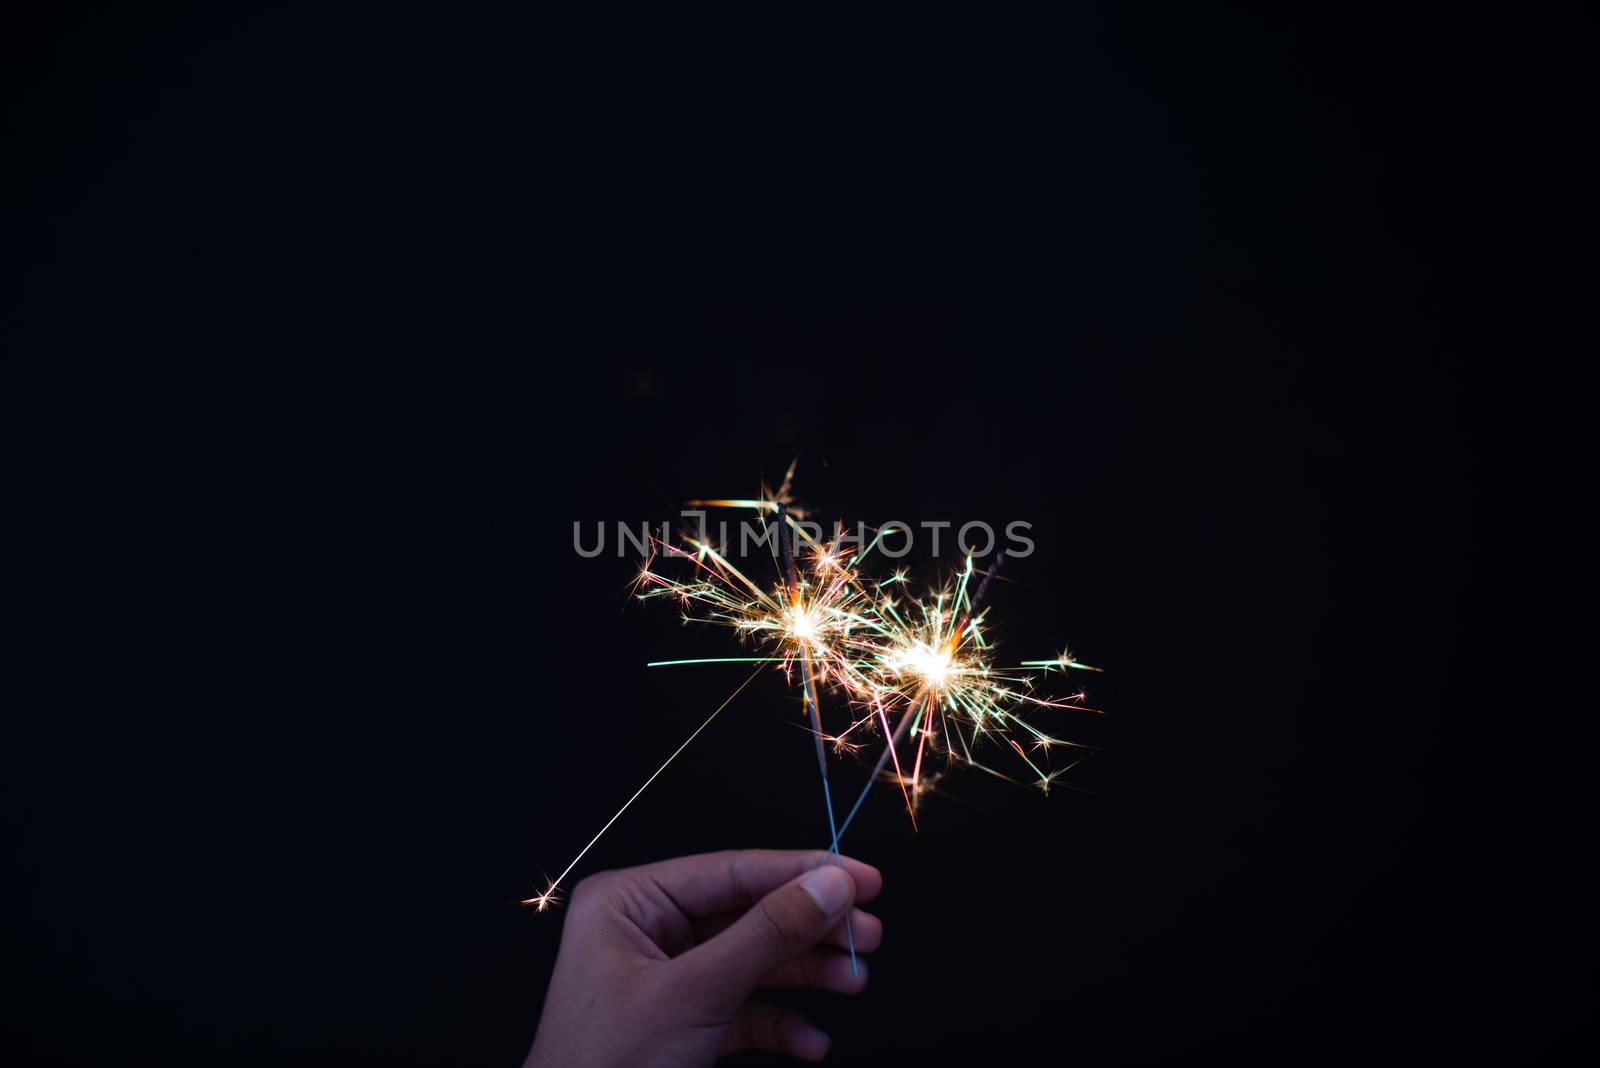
931, 663
803, 623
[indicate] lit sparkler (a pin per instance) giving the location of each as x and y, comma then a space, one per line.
924, 663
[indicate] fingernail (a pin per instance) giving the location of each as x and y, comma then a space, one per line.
830, 888
812, 1045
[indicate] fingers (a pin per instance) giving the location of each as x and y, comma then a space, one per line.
778, 928
734, 880
868, 930
823, 968
767, 1027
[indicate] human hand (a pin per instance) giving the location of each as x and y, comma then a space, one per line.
657, 962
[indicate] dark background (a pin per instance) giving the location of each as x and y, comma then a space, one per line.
324, 328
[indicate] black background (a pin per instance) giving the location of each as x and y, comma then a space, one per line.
327, 327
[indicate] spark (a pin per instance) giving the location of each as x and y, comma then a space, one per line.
875, 643
926, 663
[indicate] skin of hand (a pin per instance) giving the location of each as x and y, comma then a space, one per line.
657, 963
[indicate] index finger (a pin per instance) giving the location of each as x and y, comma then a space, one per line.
735, 879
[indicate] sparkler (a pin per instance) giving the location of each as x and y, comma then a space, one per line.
925, 662
797, 610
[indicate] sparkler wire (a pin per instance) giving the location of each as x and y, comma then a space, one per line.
883, 758
543, 899
787, 546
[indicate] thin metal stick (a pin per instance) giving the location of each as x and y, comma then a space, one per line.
787, 545
543, 899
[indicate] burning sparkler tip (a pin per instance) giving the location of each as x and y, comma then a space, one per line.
541, 902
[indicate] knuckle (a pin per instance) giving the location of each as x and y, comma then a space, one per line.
789, 918
592, 890
776, 926
738, 892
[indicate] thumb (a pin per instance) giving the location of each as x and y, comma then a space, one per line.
778, 928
